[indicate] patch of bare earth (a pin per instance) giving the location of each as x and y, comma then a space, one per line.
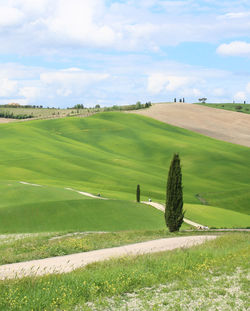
221, 124
222, 293
3, 120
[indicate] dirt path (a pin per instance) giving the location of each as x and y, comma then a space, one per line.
221, 124
62, 264
87, 194
187, 221
29, 184
4, 120
195, 224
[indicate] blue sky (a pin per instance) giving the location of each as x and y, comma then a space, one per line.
61, 53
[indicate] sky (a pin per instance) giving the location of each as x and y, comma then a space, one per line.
59, 53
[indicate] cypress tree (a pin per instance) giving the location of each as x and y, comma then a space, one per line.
138, 193
174, 213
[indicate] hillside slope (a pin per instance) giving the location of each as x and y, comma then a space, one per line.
110, 153
225, 125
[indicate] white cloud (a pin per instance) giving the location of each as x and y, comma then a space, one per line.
42, 86
75, 21
119, 79
191, 92
32, 7
29, 92
240, 96
158, 82
178, 80
235, 48
248, 88
64, 92
175, 82
219, 92
46, 27
10, 16
71, 80
7, 87
236, 15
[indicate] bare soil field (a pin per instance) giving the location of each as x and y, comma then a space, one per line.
3, 120
221, 124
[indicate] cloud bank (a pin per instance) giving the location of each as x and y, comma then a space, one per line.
60, 52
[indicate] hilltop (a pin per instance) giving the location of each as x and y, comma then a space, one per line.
221, 124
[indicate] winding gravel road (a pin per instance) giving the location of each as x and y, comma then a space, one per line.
187, 221
63, 264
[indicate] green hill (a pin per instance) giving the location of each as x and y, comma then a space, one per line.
79, 215
245, 108
110, 153
216, 217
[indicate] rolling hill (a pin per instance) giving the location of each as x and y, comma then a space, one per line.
221, 124
110, 153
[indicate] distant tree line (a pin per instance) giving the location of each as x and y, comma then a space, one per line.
181, 100
137, 106
78, 106
10, 115
20, 106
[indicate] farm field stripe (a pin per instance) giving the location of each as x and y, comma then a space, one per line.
221, 124
64, 264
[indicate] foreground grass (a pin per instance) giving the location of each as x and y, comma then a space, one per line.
232, 107
50, 245
186, 268
224, 292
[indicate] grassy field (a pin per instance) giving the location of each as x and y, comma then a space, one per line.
216, 217
46, 113
79, 215
213, 275
219, 198
110, 153
245, 108
14, 193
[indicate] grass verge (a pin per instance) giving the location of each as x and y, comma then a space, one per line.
187, 268
231, 107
